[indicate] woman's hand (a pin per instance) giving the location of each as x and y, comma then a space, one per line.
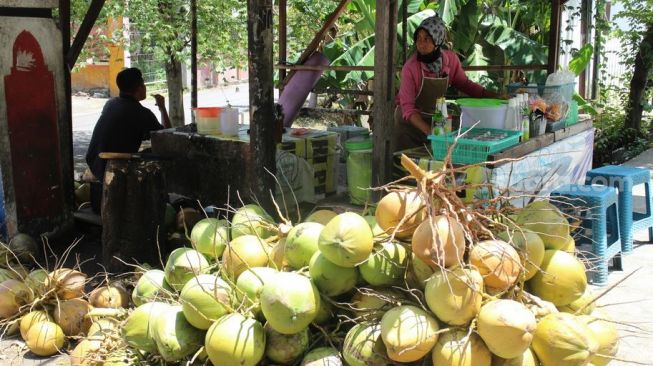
418, 122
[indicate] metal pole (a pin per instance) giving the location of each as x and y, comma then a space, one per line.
193, 57
261, 99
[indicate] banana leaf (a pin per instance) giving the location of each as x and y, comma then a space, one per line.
581, 59
517, 47
450, 9
465, 28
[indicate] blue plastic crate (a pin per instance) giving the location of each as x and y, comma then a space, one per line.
469, 149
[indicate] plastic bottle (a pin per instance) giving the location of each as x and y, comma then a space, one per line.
511, 115
438, 119
525, 118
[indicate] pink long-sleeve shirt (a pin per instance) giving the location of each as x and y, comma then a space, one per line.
413, 72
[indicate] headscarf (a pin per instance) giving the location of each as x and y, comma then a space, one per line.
435, 27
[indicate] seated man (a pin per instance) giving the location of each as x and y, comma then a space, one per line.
123, 125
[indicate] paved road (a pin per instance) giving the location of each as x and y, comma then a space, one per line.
86, 112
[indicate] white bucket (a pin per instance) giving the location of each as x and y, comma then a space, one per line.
489, 117
229, 122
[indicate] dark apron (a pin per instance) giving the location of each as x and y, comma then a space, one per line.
406, 136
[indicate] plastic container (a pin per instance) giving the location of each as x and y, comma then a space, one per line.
229, 122
470, 150
207, 120
490, 112
359, 170
565, 90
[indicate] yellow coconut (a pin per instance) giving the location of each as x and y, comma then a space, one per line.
109, 297
13, 295
506, 327
458, 347
408, 332
584, 305
562, 339
562, 279
68, 283
498, 262
86, 352
321, 216
530, 247
372, 304
526, 359
455, 296
45, 339
104, 325
418, 272
439, 242
396, 206
605, 333
32, 318
246, 251
346, 240
72, 316
547, 221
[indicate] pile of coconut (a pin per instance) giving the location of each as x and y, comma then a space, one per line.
426, 280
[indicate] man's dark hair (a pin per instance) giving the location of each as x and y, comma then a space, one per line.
129, 79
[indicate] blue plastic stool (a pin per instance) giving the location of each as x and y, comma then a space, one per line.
624, 178
601, 216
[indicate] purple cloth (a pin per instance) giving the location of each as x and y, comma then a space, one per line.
296, 91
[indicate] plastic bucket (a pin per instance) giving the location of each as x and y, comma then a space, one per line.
490, 112
359, 170
208, 120
229, 122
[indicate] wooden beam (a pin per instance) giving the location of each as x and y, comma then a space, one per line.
384, 91
261, 100
554, 36
84, 30
193, 56
318, 37
64, 20
283, 38
585, 31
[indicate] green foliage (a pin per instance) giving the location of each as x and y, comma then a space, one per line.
614, 144
581, 59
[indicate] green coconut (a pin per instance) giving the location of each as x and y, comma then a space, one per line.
408, 332
234, 340
363, 346
182, 265
37, 280
526, 359
386, 266
13, 295
321, 216
150, 287
6, 274
346, 240
23, 248
175, 338
530, 247
204, 299
459, 347
372, 304
377, 231
285, 348
330, 278
585, 304
506, 327
250, 284
562, 339
324, 314
289, 302
210, 236
544, 219
252, 220
138, 328
562, 279
243, 252
605, 333
323, 356
455, 296
301, 244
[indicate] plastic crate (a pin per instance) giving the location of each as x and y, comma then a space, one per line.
469, 150
565, 90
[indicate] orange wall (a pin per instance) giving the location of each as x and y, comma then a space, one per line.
90, 77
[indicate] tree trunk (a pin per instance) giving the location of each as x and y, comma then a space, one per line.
643, 65
175, 92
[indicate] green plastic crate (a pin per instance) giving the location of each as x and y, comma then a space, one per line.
469, 150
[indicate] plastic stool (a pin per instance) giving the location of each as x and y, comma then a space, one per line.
601, 216
624, 178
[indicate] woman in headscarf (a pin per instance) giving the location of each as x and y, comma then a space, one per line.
420, 86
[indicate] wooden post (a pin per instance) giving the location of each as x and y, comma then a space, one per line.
193, 57
133, 208
84, 30
554, 36
585, 31
283, 39
384, 90
64, 20
261, 99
